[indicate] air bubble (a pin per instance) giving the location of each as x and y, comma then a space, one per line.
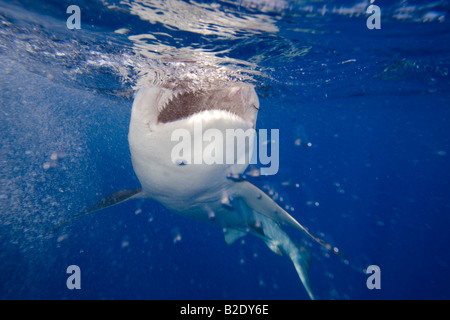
176, 235
177, 238
54, 156
62, 237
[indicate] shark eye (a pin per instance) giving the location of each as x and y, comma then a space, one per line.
181, 162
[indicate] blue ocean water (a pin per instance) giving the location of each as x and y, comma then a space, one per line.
364, 146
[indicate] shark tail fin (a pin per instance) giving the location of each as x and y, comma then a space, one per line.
279, 242
108, 201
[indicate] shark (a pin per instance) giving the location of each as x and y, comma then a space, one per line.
217, 194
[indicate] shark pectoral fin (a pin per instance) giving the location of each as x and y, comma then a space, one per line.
231, 235
108, 201
113, 199
257, 200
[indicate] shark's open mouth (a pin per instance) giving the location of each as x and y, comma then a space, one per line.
175, 104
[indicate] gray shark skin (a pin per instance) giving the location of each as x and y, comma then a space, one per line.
205, 192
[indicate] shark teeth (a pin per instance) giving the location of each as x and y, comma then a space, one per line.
168, 97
